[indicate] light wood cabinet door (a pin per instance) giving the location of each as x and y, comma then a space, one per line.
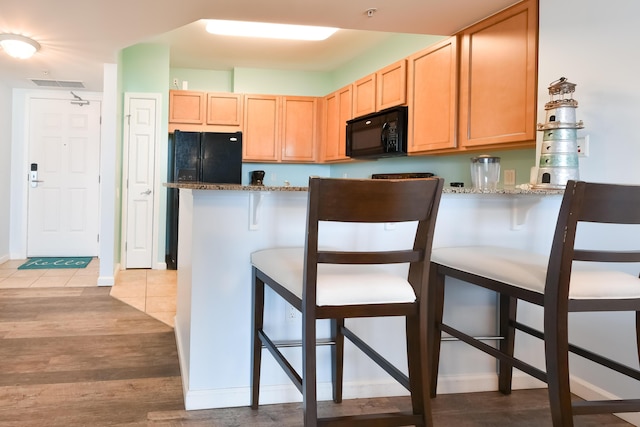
261, 128
498, 78
337, 111
391, 85
186, 107
299, 129
364, 96
433, 97
224, 109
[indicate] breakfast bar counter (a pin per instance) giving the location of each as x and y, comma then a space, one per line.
220, 225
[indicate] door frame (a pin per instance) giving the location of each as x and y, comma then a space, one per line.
155, 264
19, 162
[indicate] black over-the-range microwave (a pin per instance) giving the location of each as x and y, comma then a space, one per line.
376, 135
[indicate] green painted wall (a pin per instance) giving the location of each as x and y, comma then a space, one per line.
202, 80
453, 168
303, 83
281, 82
392, 49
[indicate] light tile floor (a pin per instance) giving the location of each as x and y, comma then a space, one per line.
151, 291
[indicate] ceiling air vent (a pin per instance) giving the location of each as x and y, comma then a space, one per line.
58, 83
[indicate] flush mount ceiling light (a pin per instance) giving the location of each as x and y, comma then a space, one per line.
18, 46
267, 30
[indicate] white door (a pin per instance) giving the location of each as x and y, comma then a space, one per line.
64, 147
140, 185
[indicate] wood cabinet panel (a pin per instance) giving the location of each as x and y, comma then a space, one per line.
299, 129
337, 111
224, 109
433, 97
498, 78
204, 112
186, 107
391, 85
364, 96
261, 140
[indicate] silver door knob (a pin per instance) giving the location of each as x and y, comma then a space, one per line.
146, 193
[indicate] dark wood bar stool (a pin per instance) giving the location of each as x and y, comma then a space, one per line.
573, 278
338, 284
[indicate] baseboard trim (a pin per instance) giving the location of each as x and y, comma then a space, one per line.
109, 280
589, 391
240, 396
106, 281
4, 259
184, 372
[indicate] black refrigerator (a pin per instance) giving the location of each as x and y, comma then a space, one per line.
211, 157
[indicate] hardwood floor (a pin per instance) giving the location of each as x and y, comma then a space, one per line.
151, 291
79, 357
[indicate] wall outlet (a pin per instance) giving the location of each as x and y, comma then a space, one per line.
583, 146
175, 82
509, 177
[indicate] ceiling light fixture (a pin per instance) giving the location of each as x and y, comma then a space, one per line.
18, 46
267, 30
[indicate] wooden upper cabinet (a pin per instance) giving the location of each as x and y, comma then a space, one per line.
498, 66
299, 139
261, 138
224, 109
433, 97
202, 112
186, 107
337, 111
364, 96
280, 129
391, 85
383, 89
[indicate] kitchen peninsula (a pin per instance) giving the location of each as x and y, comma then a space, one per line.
220, 225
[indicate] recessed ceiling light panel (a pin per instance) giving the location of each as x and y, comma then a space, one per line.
268, 30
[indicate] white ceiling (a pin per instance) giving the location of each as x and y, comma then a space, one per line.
79, 36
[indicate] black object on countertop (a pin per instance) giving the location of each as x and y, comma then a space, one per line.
457, 184
402, 175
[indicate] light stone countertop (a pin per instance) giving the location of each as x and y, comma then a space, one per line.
518, 190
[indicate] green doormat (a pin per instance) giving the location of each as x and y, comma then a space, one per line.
66, 262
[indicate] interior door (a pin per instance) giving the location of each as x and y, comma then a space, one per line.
140, 164
64, 156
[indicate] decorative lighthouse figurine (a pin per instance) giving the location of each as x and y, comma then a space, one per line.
559, 149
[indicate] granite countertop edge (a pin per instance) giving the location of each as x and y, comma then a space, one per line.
446, 190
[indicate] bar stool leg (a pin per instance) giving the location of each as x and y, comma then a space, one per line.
435, 304
257, 321
337, 358
508, 308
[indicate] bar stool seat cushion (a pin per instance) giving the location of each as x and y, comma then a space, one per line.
337, 284
528, 270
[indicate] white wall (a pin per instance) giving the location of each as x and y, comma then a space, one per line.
108, 180
5, 169
594, 44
